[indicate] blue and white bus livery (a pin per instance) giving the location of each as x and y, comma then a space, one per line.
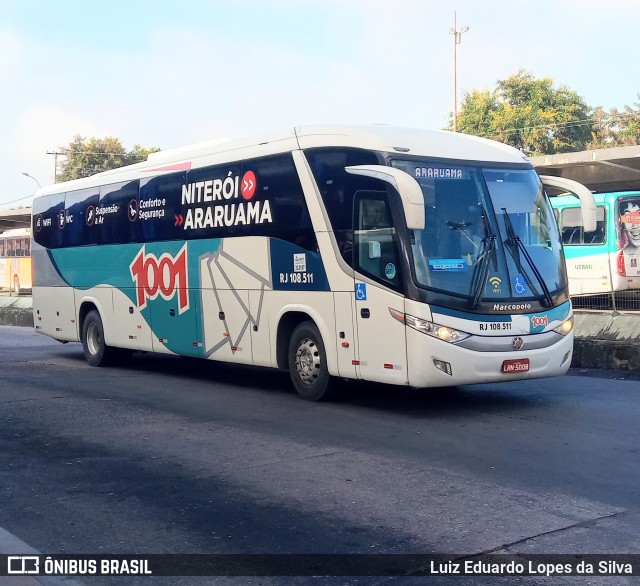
384, 254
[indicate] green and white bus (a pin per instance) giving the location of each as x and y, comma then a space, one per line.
607, 258
402, 256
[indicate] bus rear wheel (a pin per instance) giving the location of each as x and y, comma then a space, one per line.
308, 363
96, 351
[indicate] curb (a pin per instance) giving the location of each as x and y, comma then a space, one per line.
609, 341
16, 311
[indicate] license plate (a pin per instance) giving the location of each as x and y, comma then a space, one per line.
516, 365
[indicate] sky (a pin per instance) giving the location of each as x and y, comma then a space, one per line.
168, 73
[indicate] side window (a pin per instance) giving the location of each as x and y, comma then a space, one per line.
209, 194
337, 188
49, 220
375, 240
573, 232
159, 206
598, 236
116, 214
79, 213
258, 197
571, 226
277, 182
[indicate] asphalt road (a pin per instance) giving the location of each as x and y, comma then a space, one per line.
167, 455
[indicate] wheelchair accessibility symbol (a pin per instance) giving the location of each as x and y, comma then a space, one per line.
518, 285
361, 291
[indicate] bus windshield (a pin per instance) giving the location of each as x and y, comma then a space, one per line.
489, 234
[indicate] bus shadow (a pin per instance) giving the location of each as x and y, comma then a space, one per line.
437, 401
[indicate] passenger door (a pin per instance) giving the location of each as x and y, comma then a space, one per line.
382, 352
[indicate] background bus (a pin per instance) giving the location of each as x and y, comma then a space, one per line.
401, 256
607, 259
15, 260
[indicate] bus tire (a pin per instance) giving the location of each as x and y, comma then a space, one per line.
308, 363
15, 288
96, 351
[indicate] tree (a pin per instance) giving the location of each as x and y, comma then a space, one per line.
85, 157
630, 124
616, 128
530, 114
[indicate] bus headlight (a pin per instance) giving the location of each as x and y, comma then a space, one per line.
443, 333
565, 327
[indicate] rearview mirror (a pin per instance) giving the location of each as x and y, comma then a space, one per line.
408, 188
587, 203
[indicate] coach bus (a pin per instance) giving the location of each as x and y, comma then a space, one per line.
15, 260
607, 258
394, 255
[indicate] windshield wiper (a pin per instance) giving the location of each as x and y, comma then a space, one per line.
481, 269
515, 246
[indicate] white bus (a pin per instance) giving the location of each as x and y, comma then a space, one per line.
402, 256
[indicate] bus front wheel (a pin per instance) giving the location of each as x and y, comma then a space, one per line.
96, 351
308, 363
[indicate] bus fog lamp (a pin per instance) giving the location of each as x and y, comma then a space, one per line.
443, 366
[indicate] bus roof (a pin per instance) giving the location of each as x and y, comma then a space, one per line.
390, 139
413, 141
600, 198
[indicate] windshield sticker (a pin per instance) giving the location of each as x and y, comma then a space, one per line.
448, 264
495, 284
519, 286
390, 270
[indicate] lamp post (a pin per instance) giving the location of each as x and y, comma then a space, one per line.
32, 177
457, 38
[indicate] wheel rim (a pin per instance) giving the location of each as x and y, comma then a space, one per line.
308, 361
93, 338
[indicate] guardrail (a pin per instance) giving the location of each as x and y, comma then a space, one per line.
611, 301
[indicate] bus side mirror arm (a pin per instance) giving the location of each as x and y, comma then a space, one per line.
408, 188
587, 203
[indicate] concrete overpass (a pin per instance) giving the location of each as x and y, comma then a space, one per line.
15, 218
601, 170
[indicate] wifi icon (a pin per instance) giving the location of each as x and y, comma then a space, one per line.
495, 281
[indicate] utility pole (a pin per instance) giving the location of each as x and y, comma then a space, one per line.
457, 38
55, 164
